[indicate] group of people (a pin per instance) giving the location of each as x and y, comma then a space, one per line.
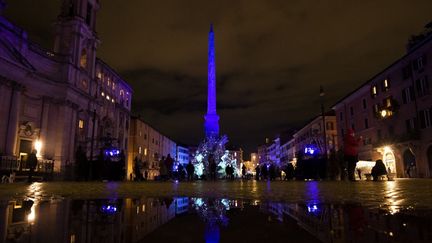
351, 144
264, 172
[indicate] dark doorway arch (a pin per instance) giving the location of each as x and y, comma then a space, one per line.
409, 162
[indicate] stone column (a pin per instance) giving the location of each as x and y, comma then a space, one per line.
14, 108
44, 126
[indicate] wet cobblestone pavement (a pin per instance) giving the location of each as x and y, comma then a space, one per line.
222, 211
403, 192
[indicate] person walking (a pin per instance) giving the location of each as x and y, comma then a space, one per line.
257, 172
31, 163
351, 152
212, 165
244, 171
169, 163
190, 169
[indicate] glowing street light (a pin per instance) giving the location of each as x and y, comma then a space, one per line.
38, 146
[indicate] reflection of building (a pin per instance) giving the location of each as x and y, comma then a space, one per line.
392, 112
149, 146
146, 215
63, 97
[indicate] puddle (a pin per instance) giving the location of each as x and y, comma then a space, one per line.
210, 220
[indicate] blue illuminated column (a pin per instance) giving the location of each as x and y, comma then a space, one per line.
211, 125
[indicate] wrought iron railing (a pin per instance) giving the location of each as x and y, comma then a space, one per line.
12, 163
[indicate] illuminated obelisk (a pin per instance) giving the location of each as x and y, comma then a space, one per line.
211, 124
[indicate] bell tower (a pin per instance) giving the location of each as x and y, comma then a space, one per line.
75, 34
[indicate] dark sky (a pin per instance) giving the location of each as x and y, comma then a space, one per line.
271, 55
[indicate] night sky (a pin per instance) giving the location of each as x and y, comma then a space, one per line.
271, 56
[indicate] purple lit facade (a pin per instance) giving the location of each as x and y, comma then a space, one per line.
211, 125
58, 100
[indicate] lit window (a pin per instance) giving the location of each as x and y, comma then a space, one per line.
113, 86
374, 90
81, 124
388, 102
139, 149
83, 59
108, 81
72, 239
386, 85
99, 75
145, 151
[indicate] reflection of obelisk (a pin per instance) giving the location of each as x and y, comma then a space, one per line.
211, 124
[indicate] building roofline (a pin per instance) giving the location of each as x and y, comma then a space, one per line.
412, 50
138, 117
116, 73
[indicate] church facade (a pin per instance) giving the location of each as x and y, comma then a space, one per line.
58, 100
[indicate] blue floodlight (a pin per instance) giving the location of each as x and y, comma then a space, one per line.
109, 209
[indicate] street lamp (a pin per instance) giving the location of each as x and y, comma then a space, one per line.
323, 121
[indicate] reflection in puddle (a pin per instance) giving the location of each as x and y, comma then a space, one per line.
209, 220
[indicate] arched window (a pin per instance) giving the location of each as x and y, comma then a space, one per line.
83, 59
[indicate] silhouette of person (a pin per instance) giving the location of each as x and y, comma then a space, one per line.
351, 152
31, 163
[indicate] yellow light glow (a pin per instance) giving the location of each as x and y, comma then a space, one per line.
32, 216
38, 147
81, 124
387, 149
383, 113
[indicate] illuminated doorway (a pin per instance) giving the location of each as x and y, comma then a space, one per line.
389, 160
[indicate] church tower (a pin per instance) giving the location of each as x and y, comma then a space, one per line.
75, 36
211, 125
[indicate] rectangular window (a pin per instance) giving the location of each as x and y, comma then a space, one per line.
406, 72
352, 111
425, 118
374, 91
422, 86
366, 123
341, 116
387, 102
409, 124
89, 14
407, 95
81, 124
375, 110
139, 149
385, 85
364, 104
